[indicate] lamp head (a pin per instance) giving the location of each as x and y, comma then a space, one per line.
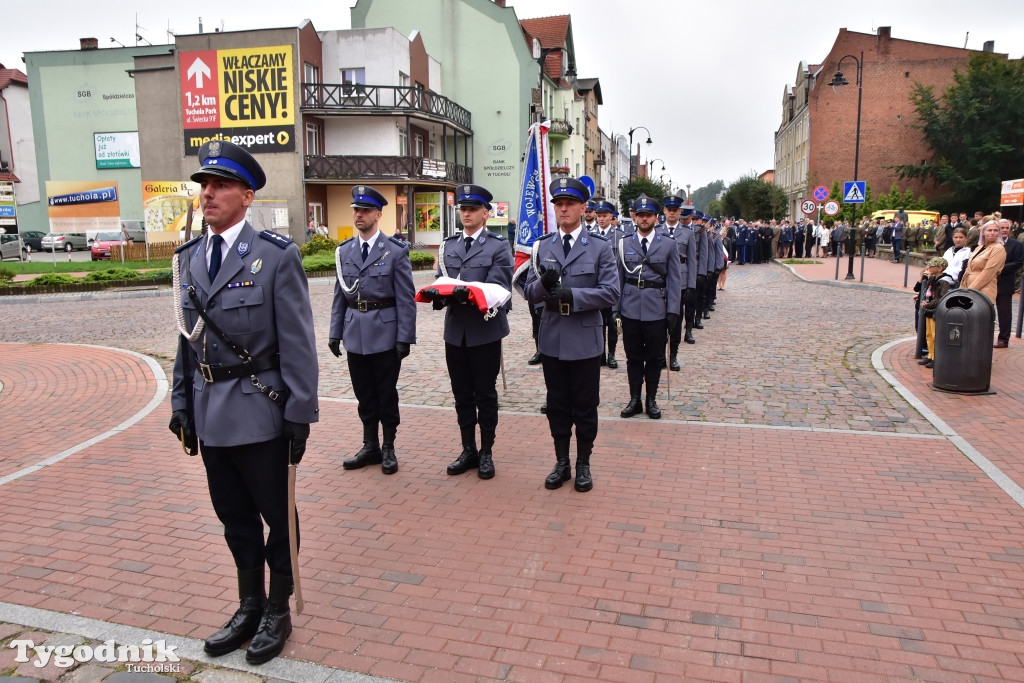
838, 82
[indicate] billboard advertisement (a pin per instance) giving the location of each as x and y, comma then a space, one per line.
117, 150
8, 208
245, 95
82, 205
165, 208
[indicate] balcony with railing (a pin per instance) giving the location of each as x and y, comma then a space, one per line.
560, 129
392, 169
358, 99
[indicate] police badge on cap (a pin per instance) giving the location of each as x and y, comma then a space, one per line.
473, 195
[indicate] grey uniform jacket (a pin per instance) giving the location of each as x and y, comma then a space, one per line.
613, 236
718, 251
488, 260
386, 274
260, 299
686, 245
589, 270
659, 272
704, 265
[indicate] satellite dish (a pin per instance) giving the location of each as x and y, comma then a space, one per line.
589, 182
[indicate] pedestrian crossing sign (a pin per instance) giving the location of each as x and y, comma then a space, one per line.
853, 192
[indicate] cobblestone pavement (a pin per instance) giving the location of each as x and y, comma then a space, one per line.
777, 351
793, 517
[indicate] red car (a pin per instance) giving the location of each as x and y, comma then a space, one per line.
104, 240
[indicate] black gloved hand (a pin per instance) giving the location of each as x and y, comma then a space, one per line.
402, 349
297, 433
549, 277
438, 303
335, 346
182, 428
672, 319
563, 293
431, 294
615, 316
461, 294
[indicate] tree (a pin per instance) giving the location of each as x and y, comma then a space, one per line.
752, 199
703, 196
638, 186
714, 208
975, 129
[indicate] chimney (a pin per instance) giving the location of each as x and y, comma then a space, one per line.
885, 32
499, 3
989, 46
89, 43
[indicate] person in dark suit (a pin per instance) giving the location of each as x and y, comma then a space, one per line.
606, 212
472, 340
574, 276
374, 314
649, 278
1007, 282
245, 385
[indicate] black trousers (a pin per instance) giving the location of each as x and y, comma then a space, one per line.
675, 334
573, 396
644, 344
611, 334
375, 383
474, 374
693, 302
249, 485
1004, 313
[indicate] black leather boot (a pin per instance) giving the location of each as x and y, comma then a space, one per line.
534, 359
688, 338
388, 462
583, 450
276, 624
486, 468
563, 467
469, 457
653, 411
698, 325
612, 363
246, 621
370, 453
673, 361
634, 407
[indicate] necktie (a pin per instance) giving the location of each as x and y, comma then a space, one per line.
215, 257
366, 250
469, 243
643, 245
566, 245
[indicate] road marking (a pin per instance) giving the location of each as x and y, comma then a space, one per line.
156, 400
999, 477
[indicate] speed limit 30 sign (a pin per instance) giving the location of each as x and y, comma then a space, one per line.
808, 207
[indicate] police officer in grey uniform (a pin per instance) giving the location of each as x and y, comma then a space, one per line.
574, 276
374, 314
703, 254
472, 342
686, 245
605, 212
649, 275
245, 384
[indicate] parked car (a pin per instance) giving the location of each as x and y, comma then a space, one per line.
33, 239
10, 246
134, 230
102, 243
65, 241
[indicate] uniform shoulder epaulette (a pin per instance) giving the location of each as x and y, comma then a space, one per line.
599, 237
347, 241
453, 237
398, 241
188, 244
495, 235
275, 238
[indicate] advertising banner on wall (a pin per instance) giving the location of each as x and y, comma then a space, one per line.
117, 150
165, 208
428, 211
245, 95
8, 208
82, 205
498, 215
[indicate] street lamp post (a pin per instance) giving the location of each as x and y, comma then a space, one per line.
632, 166
838, 82
689, 202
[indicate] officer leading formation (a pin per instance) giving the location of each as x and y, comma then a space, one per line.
245, 387
472, 339
374, 315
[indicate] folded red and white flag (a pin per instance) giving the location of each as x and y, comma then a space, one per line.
486, 296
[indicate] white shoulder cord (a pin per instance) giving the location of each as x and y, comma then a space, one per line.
341, 281
179, 312
622, 257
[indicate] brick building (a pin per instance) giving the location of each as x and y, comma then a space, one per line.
814, 145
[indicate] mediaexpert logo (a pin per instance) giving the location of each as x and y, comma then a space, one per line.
149, 656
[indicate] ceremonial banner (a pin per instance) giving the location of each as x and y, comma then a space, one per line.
536, 214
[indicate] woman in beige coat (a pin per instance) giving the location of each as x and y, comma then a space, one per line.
987, 259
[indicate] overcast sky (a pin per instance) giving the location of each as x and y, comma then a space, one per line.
706, 78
